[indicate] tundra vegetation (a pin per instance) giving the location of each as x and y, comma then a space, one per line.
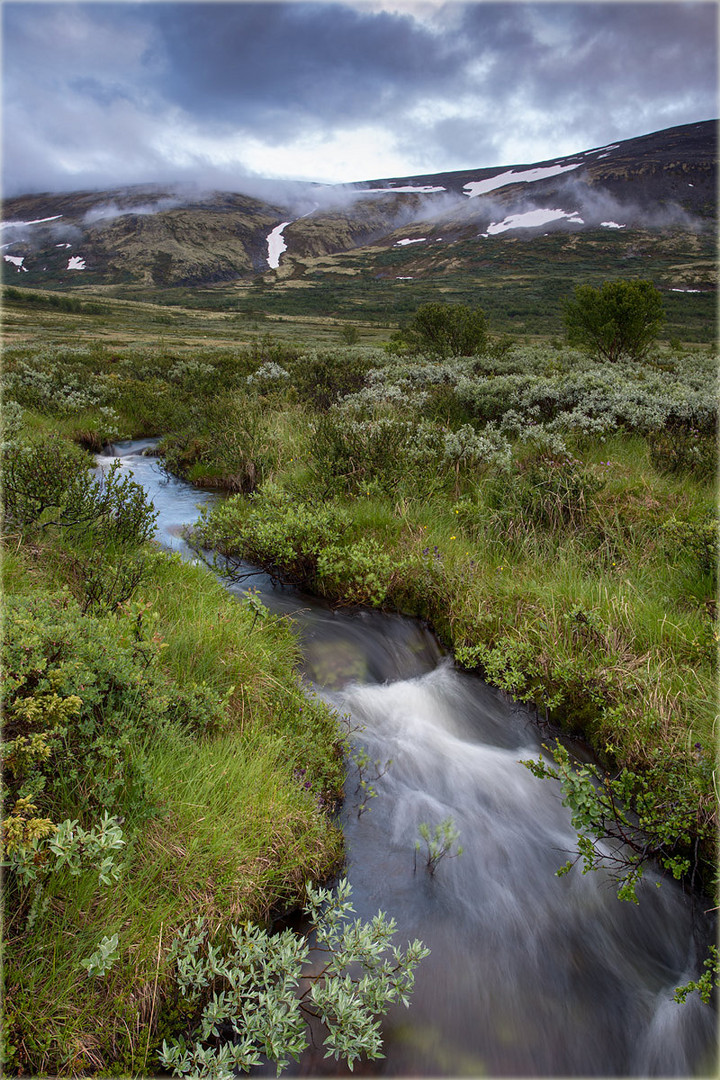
550, 514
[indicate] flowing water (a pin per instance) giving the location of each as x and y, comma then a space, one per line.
529, 974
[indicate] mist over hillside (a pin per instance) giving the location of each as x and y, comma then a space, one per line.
182, 235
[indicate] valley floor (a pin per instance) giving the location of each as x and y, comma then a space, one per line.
553, 518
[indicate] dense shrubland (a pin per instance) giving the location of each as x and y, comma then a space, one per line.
552, 516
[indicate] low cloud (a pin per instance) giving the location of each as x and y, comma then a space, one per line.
31, 237
595, 205
110, 211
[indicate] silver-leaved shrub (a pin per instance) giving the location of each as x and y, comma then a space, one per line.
257, 992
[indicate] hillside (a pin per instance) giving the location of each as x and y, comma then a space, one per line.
522, 235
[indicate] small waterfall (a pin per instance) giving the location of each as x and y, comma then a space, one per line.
530, 974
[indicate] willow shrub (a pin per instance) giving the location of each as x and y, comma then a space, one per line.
255, 978
358, 453
275, 530
620, 318
81, 695
320, 378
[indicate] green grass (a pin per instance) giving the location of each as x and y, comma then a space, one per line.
233, 839
227, 832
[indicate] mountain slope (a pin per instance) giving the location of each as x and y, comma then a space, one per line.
158, 237
659, 181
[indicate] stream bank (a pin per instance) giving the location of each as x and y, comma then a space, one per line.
581, 668
530, 974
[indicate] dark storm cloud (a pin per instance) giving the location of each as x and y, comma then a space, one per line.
104, 93
75, 102
285, 63
601, 55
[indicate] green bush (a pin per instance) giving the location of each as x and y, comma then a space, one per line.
81, 696
696, 541
48, 482
681, 450
56, 382
357, 453
622, 318
46, 473
224, 443
446, 330
547, 487
359, 573
102, 521
321, 378
280, 533
442, 405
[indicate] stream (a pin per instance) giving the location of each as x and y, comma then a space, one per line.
529, 974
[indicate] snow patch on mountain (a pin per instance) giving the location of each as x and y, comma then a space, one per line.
532, 219
16, 260
608, 148
612, 225
75, 262
407, 240
276, 245
481, 187
22, 224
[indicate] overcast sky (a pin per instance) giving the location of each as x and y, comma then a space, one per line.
101, 94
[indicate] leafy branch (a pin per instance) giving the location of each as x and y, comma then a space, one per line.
252, 1004
709, 979
650, 821
438, 844
363, 761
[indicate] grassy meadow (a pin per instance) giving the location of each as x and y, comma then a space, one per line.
552, 517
